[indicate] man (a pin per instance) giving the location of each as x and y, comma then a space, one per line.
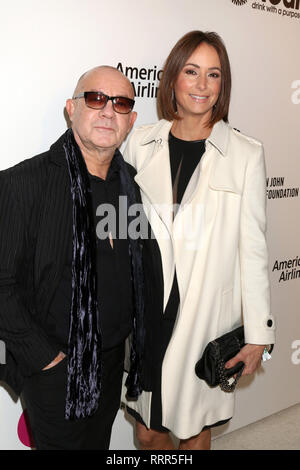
66, 295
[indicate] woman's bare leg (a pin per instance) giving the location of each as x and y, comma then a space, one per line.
201, 441
153, 440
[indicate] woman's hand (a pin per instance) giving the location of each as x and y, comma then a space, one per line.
250, 355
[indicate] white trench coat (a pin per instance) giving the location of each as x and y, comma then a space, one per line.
217, 243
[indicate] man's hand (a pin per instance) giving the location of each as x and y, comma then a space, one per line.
251, 355
55, 361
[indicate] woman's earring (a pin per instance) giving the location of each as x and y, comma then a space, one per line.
174, 100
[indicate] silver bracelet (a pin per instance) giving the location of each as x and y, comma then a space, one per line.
266, 354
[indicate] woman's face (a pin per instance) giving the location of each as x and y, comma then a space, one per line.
198, 85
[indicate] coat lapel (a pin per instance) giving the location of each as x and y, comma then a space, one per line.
155, 181
215, 157
216, 146
224, 176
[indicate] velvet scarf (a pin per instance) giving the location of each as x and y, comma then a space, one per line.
84, 345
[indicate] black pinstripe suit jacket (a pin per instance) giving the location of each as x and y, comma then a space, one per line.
35, 243
35, 247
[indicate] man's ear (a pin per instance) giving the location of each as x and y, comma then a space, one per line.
132, 120
70, 108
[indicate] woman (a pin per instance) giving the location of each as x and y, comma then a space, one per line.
203, 189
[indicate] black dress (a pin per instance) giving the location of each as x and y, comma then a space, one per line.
184, 158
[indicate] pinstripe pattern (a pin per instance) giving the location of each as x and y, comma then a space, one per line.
35, 245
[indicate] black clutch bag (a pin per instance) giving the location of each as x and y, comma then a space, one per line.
211, 366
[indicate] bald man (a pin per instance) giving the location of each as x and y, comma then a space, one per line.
70, 285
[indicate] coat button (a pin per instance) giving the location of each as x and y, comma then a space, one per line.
270, 323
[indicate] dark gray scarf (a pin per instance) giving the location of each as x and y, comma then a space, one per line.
84, 348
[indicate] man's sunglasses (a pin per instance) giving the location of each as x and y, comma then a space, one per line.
98, 100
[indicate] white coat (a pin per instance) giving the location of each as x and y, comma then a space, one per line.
217, 243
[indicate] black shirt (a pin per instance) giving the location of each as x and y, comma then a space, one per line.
184, 157
113, 261
113, 269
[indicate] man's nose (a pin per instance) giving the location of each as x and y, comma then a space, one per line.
108, 110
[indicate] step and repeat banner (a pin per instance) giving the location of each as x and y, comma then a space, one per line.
46, 46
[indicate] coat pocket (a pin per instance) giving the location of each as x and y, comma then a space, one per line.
61, 365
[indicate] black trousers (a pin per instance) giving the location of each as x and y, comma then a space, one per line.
45, 393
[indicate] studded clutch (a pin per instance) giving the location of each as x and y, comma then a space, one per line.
211, 366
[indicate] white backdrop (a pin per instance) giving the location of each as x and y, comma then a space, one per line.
45, 47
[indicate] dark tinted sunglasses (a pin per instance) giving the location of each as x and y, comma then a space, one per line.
98, 100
